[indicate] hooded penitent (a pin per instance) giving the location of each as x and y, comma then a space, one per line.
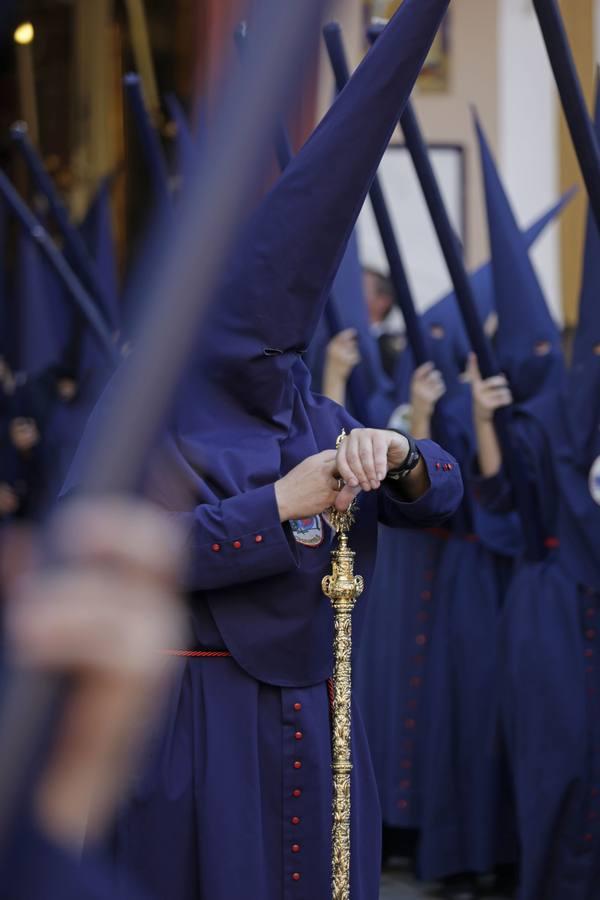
446, 310
96, 229
245, 414
572, 427
528, 340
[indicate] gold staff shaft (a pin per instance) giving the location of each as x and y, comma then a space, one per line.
343, 588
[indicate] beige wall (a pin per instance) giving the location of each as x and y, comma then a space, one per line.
349, 14
445, 117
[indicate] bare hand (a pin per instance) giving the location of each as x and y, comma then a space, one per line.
103, 616
426, 388
312, 487
367, 454
24, 434
489, 394
343, 353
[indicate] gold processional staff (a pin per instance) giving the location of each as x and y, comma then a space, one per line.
343, 588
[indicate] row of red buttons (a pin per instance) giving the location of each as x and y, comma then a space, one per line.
297, 792
447, 467
237, 544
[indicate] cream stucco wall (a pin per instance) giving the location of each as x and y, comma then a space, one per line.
498, 64
528, 133
446, 117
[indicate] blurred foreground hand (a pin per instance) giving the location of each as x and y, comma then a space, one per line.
102, 617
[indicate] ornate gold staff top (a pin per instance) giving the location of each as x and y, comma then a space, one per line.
343, 588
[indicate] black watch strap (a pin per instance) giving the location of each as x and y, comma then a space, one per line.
412, 458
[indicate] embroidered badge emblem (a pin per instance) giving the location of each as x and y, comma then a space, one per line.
308, 532
594, 481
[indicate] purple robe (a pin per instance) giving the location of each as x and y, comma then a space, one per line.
551, 680
236, 797
36, 868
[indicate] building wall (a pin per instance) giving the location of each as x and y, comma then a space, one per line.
499, 64
528, 146
446, 117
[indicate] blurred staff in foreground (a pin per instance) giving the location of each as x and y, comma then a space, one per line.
101, 619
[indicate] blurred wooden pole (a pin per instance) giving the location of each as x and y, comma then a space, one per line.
94, 133
578, 16
142, 51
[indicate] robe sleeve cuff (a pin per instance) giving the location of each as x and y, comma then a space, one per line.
238, 540
439, 501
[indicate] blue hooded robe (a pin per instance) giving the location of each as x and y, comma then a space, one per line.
550, 679
236, 796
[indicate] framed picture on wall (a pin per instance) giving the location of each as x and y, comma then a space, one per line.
436, 72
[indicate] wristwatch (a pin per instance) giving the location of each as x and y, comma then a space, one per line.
412, 458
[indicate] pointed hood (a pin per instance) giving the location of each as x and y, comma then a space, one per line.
90, 361
244, 414
583, 390
44, 315
97, 232
538, 227
482, 278
528, 339
257, 417
445, 313
284, 270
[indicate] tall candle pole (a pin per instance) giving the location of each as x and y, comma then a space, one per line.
24, 36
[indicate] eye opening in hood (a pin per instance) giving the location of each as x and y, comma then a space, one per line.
542, 348
596, 349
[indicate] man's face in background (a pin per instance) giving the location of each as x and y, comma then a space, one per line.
377, 295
